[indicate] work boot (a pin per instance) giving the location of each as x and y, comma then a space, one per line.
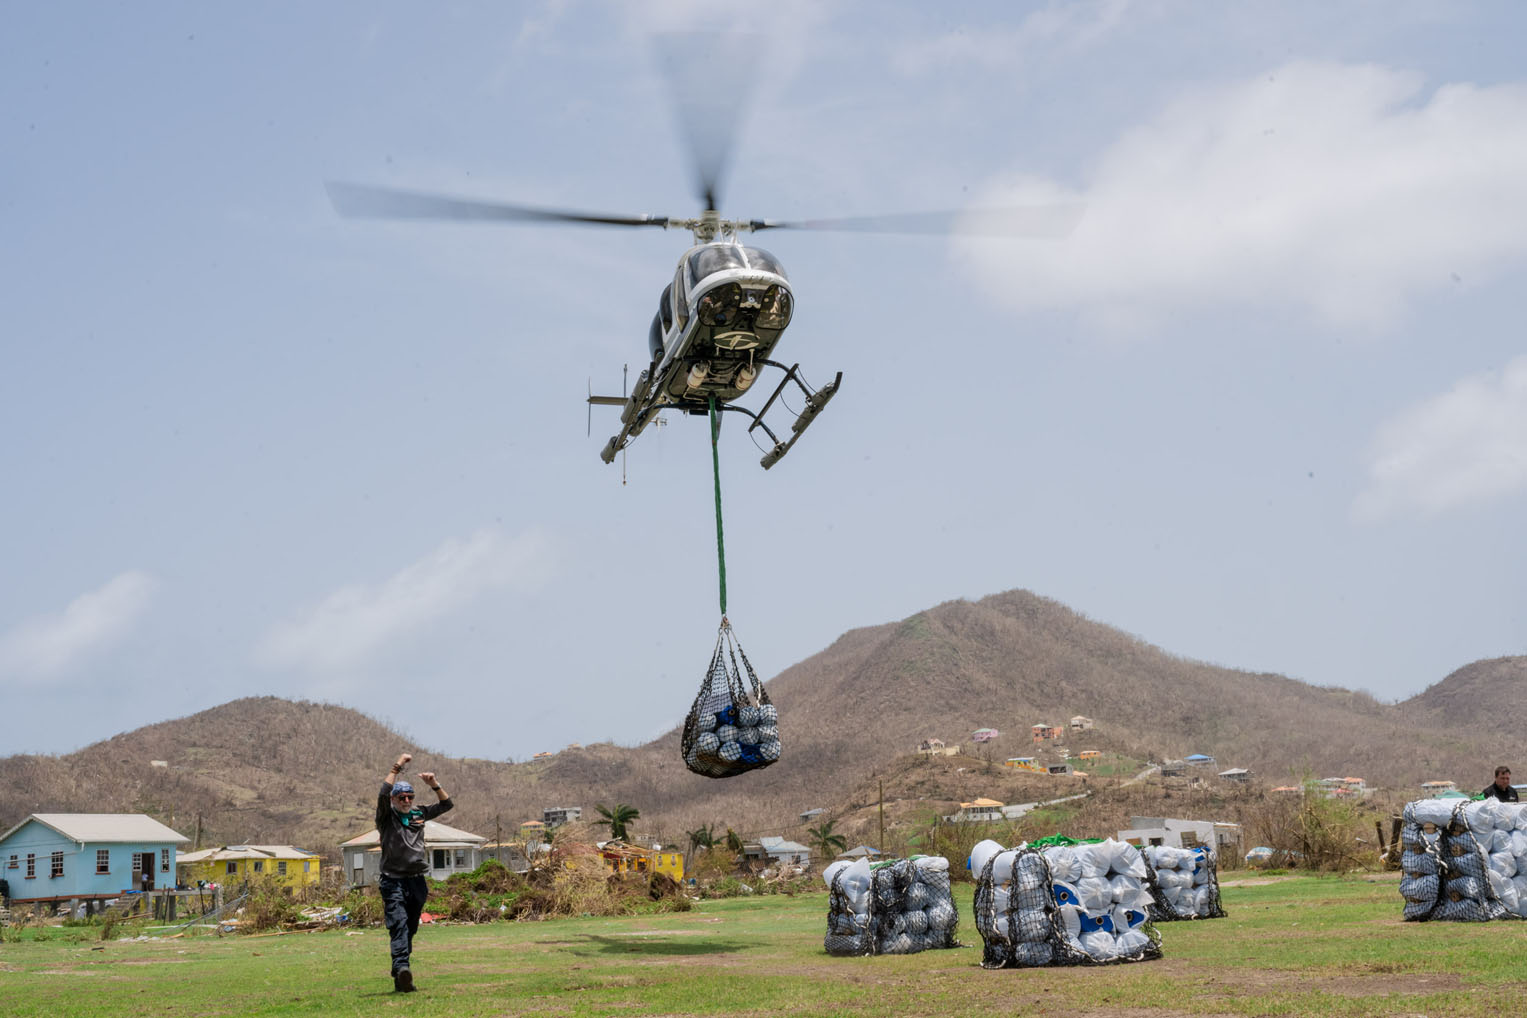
403, 981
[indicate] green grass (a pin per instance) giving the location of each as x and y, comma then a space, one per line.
1297, 946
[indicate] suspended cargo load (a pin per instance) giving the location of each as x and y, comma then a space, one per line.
732, 727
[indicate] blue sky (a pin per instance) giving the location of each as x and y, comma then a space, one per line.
1265, 407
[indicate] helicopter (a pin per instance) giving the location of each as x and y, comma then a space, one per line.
721, 315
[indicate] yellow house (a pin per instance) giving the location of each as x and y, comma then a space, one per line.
623, 858
1090, 754
247, 864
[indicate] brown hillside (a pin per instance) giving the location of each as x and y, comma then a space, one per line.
1486, 693
270, 770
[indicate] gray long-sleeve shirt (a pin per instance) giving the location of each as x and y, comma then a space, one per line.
403, 853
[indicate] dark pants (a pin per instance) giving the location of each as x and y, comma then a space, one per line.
402, 901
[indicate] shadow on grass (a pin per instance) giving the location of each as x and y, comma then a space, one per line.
658, 945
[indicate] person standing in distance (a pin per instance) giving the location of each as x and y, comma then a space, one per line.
400, 825
1501, 788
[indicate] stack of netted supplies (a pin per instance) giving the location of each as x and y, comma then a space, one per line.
1464, 860
1062, 905
900, 906
1184, 883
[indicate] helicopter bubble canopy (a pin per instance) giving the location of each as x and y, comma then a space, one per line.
713, 258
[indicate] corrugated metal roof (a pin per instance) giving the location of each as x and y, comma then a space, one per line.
104, 827
435, 833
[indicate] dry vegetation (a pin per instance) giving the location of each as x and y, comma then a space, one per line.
270, 770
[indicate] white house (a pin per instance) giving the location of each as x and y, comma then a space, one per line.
449, 851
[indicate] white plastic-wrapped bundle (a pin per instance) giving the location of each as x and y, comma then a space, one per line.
1062, 905
731, 727
900, 906
1186, 883
1463, 861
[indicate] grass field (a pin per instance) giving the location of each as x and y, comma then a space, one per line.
1296, 946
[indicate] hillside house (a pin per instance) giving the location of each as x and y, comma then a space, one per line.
861, 852
978, 811
1200, 760
1060, 768
1346, 788
90, 856
449, 851
1090, 754
1174, 769
543, 755
1081, 723
812, 814
555, 816
984, 734
283, 865
1223, 838
1435, 788
512, 855
1022, 763
1288, 790
1044, 730
1240, 775
776, 852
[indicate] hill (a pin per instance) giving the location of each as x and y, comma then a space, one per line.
270, 770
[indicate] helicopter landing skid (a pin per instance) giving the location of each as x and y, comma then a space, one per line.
815, 402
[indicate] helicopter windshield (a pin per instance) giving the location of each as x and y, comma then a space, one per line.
715, 258
758, 258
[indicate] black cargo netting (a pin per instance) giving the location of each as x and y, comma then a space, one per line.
732, 727
1463, 861
1184, 883
1027, 918
901, 906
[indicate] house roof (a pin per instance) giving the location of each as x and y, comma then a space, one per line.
1232, 772
779, 846
104, 827
1200, 756
858, 851
229, 853
435, 833
982, 804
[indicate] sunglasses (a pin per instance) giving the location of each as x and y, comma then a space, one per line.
405, 796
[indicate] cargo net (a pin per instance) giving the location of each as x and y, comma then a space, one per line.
900, 906
1064, 905
1184, 883
732, 727
1463, 861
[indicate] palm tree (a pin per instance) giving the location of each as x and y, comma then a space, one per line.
733, 842
617, 817
825, 840
701, 837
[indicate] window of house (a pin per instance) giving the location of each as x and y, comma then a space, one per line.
281, 867
31, 865
164, 860
233, 867
103, 860
259, 865
307, 865
13, 864
442, 858
461, 858
57, 869
137, 861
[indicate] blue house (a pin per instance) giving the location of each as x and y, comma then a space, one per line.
69, 856
1200, 760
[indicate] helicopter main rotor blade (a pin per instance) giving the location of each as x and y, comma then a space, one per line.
367, 202
1024, 221
709, 99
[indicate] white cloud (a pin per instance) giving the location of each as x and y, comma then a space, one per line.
1337, 189
46, 646
355, 622
1467, 445
1073, 25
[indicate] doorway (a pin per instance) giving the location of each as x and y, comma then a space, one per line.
146, 866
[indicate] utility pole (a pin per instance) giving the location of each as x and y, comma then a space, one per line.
882, 816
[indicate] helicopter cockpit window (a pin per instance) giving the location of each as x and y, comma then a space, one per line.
714, 258
665, 306
758, 258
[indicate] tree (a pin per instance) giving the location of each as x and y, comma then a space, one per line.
701, 837
825, 840
733, 842
617, 817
